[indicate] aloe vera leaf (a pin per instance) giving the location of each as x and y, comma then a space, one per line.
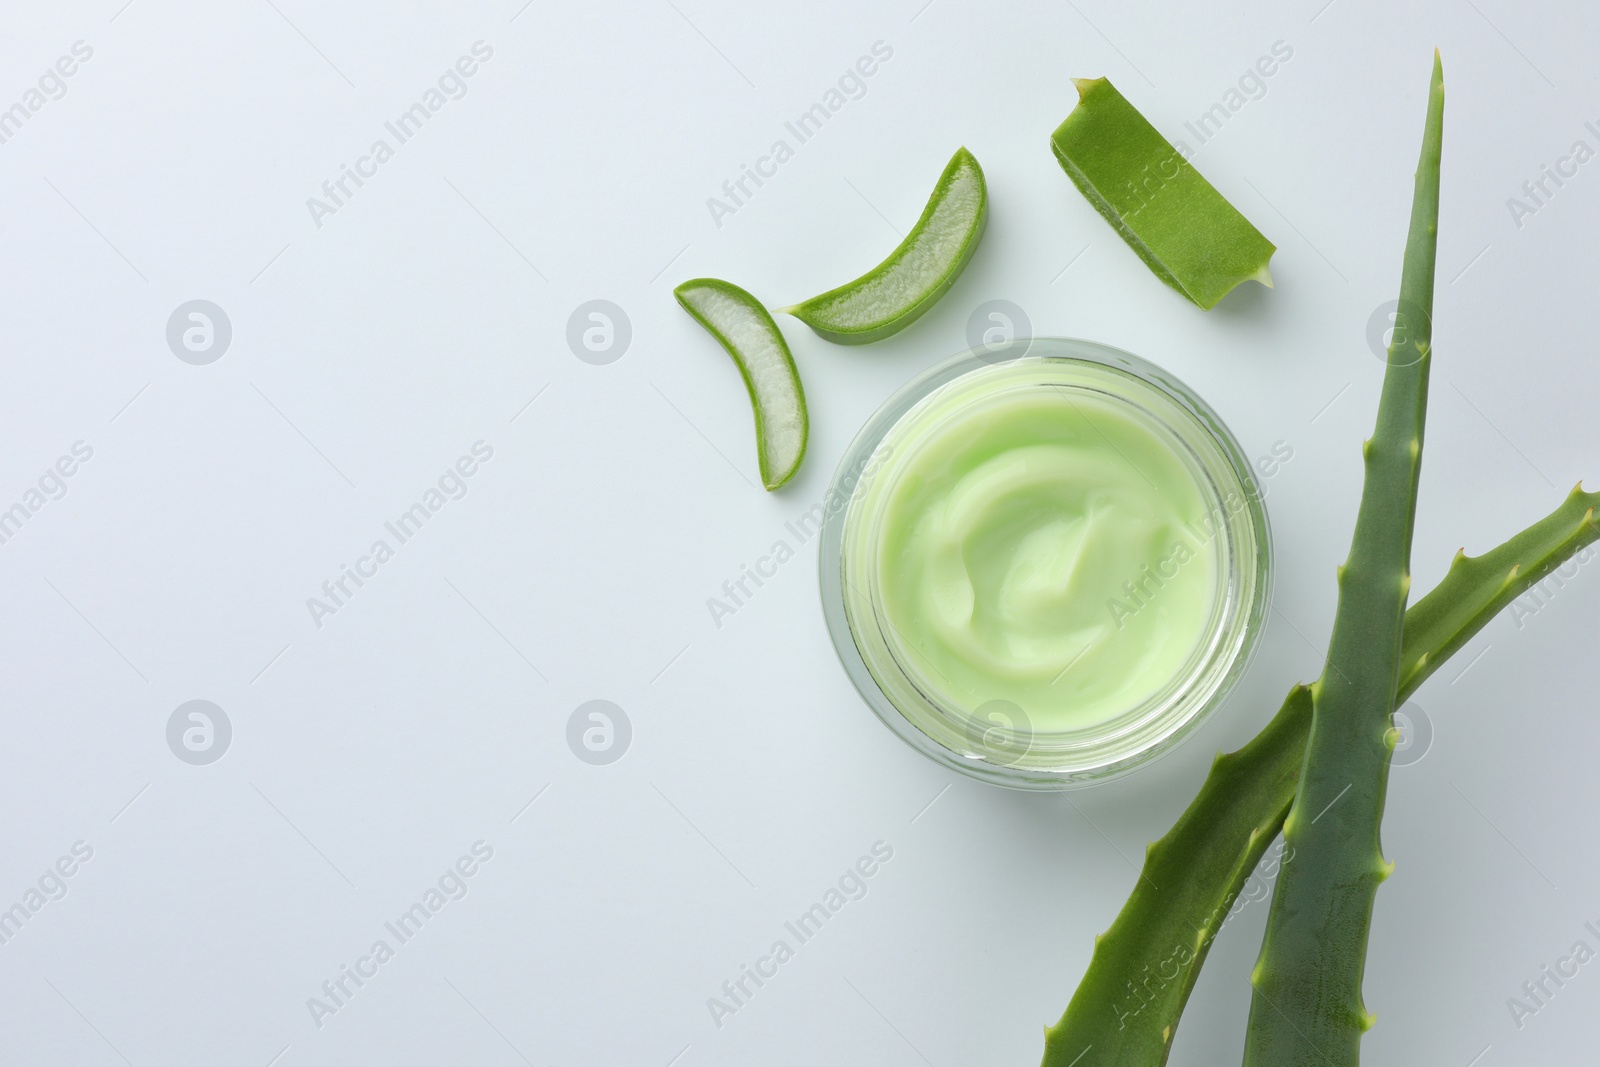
1307, 1002
1127, 1007
1177, 222
742, 326
895, 293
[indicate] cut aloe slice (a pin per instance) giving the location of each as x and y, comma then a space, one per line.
743, 327
1184, 230
895, 293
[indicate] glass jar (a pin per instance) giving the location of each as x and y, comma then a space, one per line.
940, 711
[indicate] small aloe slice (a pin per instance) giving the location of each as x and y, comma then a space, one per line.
895, 293
1184, 230
1127, 1007
742, 326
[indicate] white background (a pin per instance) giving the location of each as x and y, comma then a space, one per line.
372, 351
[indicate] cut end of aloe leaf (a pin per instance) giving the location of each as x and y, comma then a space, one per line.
895, 293
745, 330
1185, 231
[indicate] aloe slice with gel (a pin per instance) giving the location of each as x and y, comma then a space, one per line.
895, 293
742, 326
1175, 220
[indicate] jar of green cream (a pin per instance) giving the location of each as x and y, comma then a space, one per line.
1045, 563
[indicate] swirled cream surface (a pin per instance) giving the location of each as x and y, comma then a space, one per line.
1044, 545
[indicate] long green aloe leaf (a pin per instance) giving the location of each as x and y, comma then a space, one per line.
1127, 1007
1307, 1003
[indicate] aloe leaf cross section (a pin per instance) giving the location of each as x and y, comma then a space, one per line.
745, 330
895, 293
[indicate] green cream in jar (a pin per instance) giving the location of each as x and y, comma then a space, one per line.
1051, 566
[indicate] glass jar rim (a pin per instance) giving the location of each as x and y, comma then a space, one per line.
1021, 758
